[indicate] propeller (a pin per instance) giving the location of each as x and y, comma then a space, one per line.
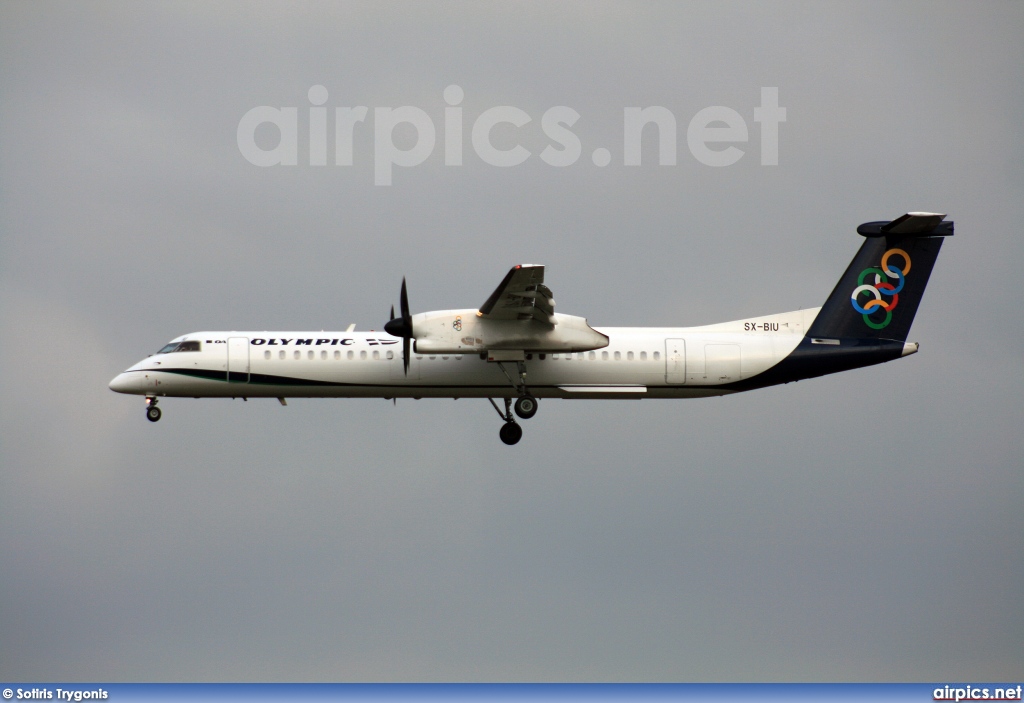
402, 327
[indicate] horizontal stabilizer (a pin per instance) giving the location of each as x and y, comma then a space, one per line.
913, 224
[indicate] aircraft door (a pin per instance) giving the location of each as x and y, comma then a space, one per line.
675, 361
723, 363
238, 359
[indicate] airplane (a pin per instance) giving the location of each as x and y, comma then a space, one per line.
516, 348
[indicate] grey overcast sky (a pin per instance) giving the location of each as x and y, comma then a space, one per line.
864, 526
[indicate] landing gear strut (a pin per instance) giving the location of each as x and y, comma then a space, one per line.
510, 432
152, 411
526, 404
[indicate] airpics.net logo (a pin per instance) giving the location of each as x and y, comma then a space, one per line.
712, 134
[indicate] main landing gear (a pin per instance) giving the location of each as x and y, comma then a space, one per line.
152, 411
525, 407
511, 432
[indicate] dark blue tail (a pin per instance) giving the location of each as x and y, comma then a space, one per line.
878, 295
867, 318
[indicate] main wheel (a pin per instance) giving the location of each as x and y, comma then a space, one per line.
526, 407
153, 413
510, 433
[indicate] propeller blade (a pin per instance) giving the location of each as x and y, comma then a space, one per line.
405, 303
402, 326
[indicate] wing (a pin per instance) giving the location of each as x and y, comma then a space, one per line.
522, 295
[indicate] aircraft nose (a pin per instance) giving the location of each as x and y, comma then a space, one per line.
122, 383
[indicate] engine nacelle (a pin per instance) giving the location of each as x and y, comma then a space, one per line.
467, 332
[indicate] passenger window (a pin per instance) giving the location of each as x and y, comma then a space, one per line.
604, 356
592, 356
618, 356
657, 355
309, 355
297, 353
351, 354
391, 354
266, 354
280, 354
337, 354
629, 356
579, 356
376, 354
362, 354
643, 356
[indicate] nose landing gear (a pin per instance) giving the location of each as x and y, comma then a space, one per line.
152, 411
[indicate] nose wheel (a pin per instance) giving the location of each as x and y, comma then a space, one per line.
152, 411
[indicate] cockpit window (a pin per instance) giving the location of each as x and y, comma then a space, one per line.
191, 346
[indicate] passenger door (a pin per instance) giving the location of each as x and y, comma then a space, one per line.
238, 359
675, 361
723, 363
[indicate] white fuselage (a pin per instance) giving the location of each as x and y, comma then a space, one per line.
638, 362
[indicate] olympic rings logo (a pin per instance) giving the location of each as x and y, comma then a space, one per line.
881, 287
457, 325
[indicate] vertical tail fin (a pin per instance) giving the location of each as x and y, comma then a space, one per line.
878, 295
